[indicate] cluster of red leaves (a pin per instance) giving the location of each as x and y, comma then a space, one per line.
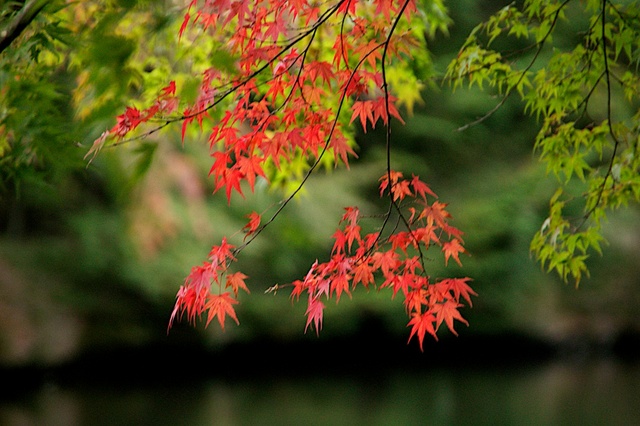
286, 96
196, 296
357, 259
396, 260
290, 98
165, 104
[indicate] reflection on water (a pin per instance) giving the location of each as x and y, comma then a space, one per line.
603, 392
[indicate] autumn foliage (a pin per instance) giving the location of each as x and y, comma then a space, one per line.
304, 74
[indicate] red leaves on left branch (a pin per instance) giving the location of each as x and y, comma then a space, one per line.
203, 290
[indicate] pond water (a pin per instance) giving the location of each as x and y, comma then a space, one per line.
603, 391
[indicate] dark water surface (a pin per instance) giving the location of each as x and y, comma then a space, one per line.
569, 391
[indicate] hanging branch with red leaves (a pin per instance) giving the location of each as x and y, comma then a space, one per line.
304, 72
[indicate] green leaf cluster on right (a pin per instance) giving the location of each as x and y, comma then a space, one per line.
585, 97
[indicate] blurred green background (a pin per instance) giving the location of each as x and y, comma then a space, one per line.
91, 256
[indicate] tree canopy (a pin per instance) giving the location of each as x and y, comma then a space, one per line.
280, 88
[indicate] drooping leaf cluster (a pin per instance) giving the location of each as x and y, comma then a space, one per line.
585, 97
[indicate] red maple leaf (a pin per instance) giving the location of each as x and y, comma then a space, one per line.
421, 324
362, 273
385, 261
421, 189
459, 288
452, 249
383, 109
364, 111
314, 313
253, 225
184, 24
219, 255
415, 299
321, 69
230, 179
221, 305
351, 215
236, 282
447, 312
392, 175
342, 150
251, 167
341, 241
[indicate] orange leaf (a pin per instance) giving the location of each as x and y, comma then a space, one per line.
253, 225
452, 249
236, 281
447, 312
421, 325
459, 288
362, 273
421, 189
364, 111
221, 305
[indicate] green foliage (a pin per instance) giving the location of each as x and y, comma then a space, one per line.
585, 98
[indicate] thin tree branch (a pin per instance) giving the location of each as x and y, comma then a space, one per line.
522, 74
20, 22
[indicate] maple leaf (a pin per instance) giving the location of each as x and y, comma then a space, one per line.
321, 69
221, 305
342, 150
400, 190
184, 24
97, 146
127, 122
230, 179
348, 7
219, 255
385, 261
459, 287
339, 284
383, 109
364, 111
191, 297
392, 175
236, 282
351, 215
169, 90
415, 299
314, 313
438, 213
352, 233
341, 241
313, 94
251, 167
452, 249
252, 226
447, 312
189, 300
421, 324
421, 189
362, 273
